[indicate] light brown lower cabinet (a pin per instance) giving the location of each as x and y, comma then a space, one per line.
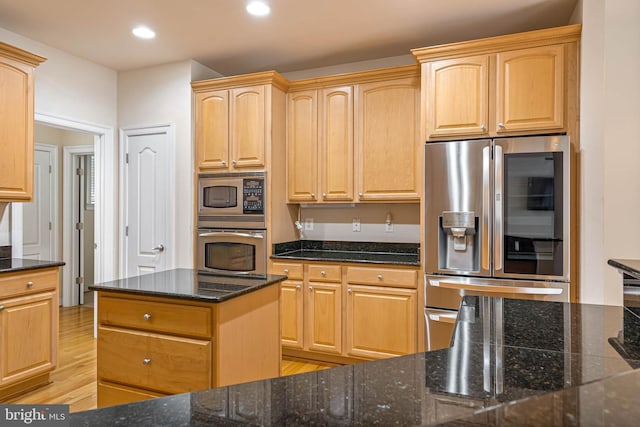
155, 346
336, 312
28, 329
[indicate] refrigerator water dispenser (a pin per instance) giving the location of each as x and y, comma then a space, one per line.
457, 241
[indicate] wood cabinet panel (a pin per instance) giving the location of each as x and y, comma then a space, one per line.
152, 361
16, 123
457, 96
382, 277
324, 317
325, 273
212, 129
116, 394
28, 336
292, 271
381, 322
302, 146
387, 140
530, 89
291, 314
29, 282
155, 316
336, 143
247, 126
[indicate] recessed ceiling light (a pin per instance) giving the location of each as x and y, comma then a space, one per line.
258, 8
143, 32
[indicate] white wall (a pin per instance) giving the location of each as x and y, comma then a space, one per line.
610, 147
162, 95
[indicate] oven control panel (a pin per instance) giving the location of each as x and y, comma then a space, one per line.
253, 196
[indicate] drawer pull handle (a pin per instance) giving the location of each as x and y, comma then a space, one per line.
286, 270
349, 291
298, 286
323, 273
147, 316
146, 361
1, 307
379, 276
29, 284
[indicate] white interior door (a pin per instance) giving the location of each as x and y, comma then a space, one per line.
148, 201
38, 215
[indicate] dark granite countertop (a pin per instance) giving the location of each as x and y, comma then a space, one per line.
357, 252
188, 284
512, 362
8, 265
628, 266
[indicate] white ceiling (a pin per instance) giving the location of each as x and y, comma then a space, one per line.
299, 34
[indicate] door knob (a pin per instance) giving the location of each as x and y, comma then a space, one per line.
146, 361
159, 248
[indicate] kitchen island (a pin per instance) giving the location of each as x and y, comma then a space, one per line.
512, 362
178, 330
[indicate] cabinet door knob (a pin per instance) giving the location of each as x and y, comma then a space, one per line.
379, 276
313, 195
324, 195
298, 286
146, 361
349, 291
360, 194
224, 163
147, 316
29, 284
233, 162
501, 125
1, 307
286, 270
323, 273
310, 288
483, 127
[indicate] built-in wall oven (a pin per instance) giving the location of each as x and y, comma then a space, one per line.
232, 234
497, 223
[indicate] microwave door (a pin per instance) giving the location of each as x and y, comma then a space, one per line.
531, 208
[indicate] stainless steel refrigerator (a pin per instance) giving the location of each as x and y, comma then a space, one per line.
497, 222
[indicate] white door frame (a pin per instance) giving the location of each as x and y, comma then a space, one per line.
169, 129
17, 242
106, 266
69, 205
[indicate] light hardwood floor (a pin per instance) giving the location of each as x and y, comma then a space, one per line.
74, 381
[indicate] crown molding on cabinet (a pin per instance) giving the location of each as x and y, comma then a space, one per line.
265, 77
355, 78
21, 55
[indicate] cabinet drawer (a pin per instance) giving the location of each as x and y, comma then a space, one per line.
155, 316
27, 282
151, 361
325, 273
115, 394
382, 277
293, 271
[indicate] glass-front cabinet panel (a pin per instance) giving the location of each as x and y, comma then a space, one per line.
533, 213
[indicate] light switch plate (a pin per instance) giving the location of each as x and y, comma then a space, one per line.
308, 224
388, 227
355, 227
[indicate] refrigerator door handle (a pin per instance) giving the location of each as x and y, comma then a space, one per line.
498, 230
498, 289
486, 203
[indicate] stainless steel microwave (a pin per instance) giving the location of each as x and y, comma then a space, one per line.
232, 200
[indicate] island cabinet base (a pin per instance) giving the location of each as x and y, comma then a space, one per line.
152, 346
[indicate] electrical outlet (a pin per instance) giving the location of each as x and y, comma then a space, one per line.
388, 227
308, 224
355, 226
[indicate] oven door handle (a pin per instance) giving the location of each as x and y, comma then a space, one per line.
226, 233
444, 318
496, 289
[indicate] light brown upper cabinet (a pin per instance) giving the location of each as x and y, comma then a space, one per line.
354, 137
16, 123
509, 85
320, 145
387, 137
233, 121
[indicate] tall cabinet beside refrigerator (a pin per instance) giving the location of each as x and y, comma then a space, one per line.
497, 223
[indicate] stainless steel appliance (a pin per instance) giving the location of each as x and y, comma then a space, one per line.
232, 234
232, 200
497, 223
232, 252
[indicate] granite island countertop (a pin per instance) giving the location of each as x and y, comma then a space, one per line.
505, 355
9, 265
355, 252
183, 283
